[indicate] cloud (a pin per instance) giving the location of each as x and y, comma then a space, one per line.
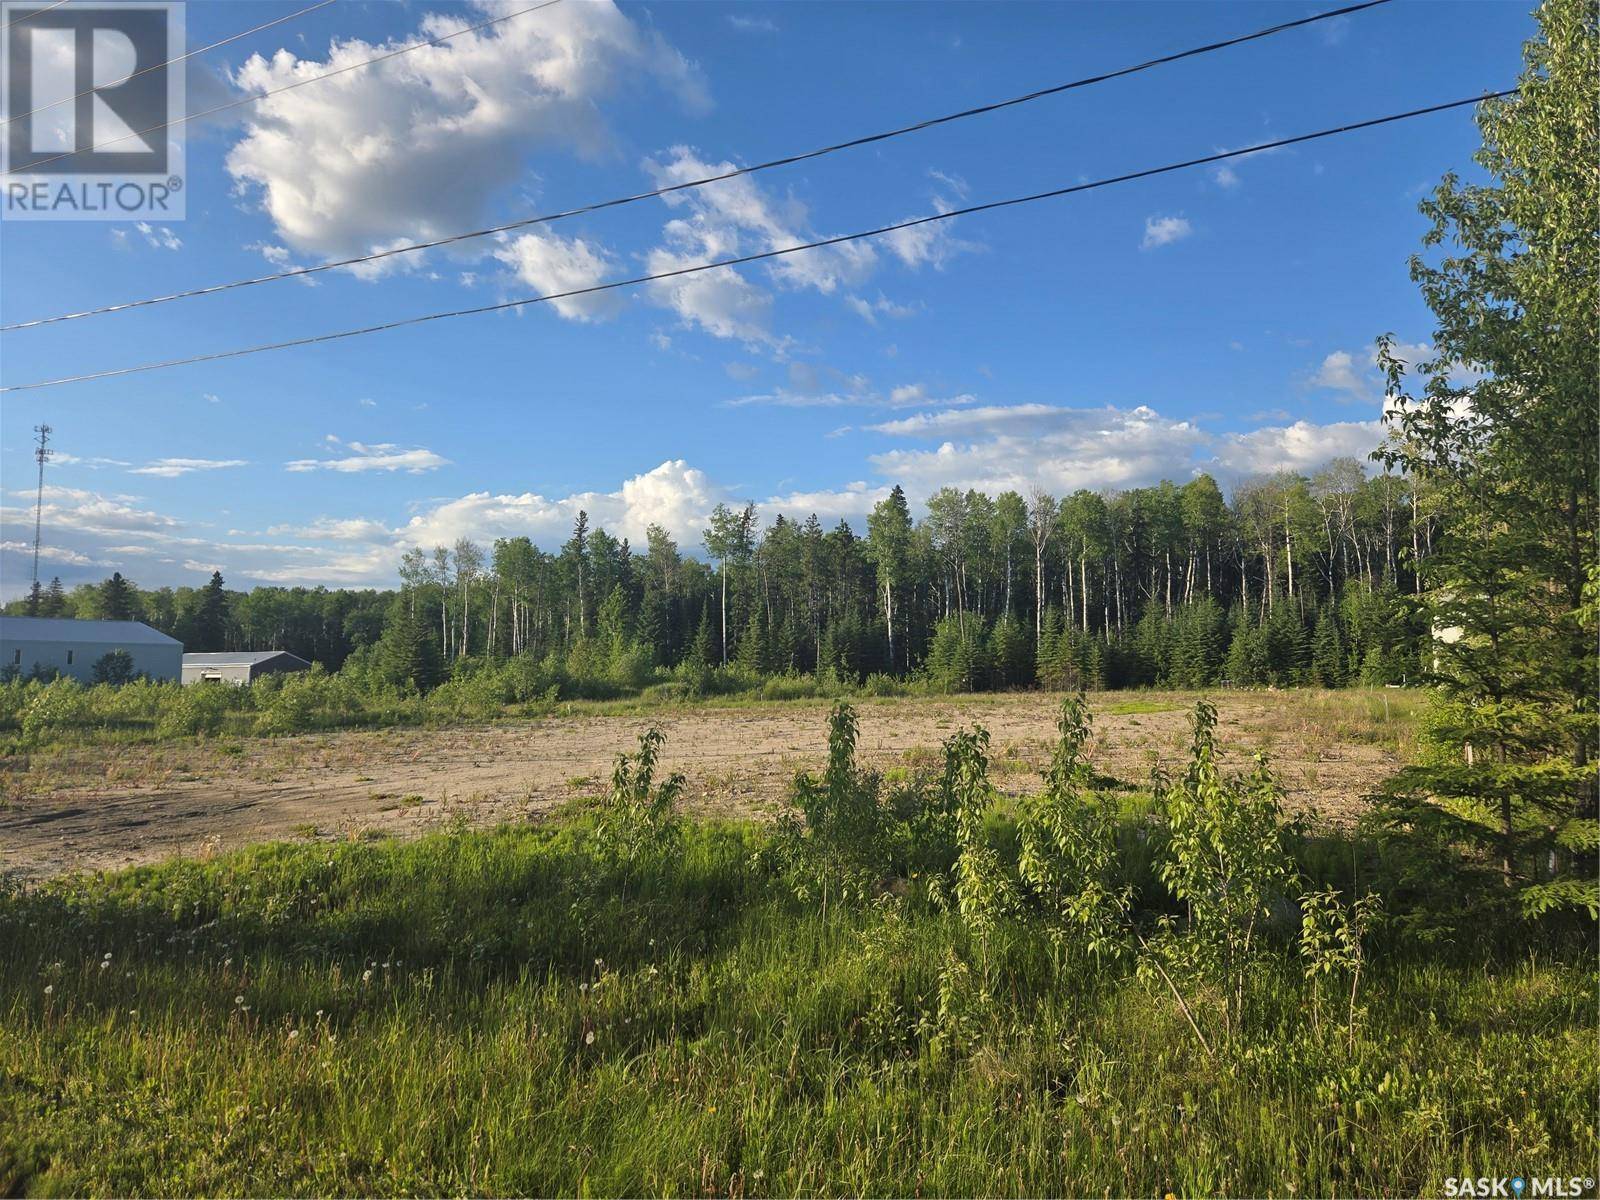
1301, 447
996, 447
870, 310
171, 468
1163, 231
809, 393
673, 495
551, 264
916, 395
383, 456
738, 216
748, 24
417, 146
1225, 176
742, 371
61, 458
335, 529
1356, 374
161, 238
1339, 373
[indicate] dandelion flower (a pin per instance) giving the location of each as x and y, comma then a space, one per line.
588, 1038
49, 988
238, 999
293, 1034
366, 976
104, 963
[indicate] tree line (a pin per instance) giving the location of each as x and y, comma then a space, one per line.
1296, 579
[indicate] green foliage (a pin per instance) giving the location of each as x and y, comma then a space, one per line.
984, 891
114, 668
440, 1016
1226, 863
1508, 452
843, 848
958, 657
1333, 947
639, 822
1068, 858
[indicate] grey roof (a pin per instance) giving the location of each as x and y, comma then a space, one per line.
239, 658
66, 629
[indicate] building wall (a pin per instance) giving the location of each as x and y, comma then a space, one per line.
77, 659
235, 673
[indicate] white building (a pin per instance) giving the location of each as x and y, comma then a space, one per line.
241, 667
73, 647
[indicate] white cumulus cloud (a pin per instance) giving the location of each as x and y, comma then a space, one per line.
1163, 231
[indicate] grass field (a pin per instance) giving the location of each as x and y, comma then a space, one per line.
520, 1010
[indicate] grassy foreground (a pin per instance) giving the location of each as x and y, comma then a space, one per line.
510, 1012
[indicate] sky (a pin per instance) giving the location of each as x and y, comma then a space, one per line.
1217, 319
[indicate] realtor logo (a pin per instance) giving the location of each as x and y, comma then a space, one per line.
94, 104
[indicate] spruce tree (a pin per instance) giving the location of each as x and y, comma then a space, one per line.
117, 599
54, 603
211, 616
1509, 448
1327, 650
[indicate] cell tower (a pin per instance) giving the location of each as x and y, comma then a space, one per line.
41, 455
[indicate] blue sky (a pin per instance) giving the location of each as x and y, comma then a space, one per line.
1200, 320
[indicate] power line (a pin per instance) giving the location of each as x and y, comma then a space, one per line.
788, 160
288, 87
28, 16
174, 61
765, 254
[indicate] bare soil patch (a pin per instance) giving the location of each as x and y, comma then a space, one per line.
102, 807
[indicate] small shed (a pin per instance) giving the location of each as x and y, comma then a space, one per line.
71, 647
240, 667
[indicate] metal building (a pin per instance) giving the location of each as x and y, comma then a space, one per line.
72, 648
244, 666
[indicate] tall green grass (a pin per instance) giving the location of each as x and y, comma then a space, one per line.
513, 1012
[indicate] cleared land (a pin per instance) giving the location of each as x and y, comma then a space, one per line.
105, 806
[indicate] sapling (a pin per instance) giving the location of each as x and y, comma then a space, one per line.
1068, 853
639, 819
1332, 937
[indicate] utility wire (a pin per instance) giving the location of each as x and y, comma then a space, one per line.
694, 183
766, 254
28, 16
288, 87
174, 61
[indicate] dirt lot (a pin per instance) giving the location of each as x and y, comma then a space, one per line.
101, 807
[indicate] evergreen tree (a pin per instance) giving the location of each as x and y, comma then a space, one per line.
755, 651
408, 653
1512, 586
1327, 650
1246, 662
54, 603
211, 616
117, 599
